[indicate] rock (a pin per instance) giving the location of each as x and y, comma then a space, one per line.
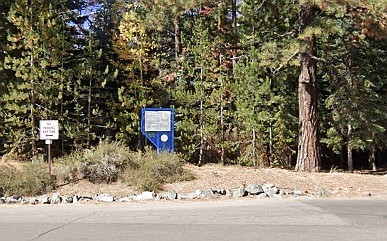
125, 199
222, 192
297, 192
188, 196
85, 198
281, 193
69, 199
33, 201
44, 200
74, 199
63, 199
239, 192
228, 192
322, 193
104, 198
254, 189
11, 200
204, 193
262, 195
171, 195
17, 197
55, 199
270, 189
145, 196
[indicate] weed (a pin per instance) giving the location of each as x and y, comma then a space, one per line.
153, 170
101, 164
33, 179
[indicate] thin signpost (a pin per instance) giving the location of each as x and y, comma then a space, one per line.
49, 130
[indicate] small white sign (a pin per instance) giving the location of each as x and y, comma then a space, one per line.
49, 129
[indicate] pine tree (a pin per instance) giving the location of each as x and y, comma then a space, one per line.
34, 59
265, 93
5, 75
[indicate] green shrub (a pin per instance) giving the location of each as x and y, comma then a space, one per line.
67, 168
33, 179
101, 164
153, 170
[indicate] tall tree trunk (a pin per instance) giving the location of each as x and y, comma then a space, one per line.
33, 99
349, 149
89, 114
178, 47
372, 158
308, 157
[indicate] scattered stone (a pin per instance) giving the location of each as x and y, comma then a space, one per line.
188, 196
170, 195
125, 199
105, 198
270, 189
254, 189
63, 199
204, 193
222, 192
32, 201
55, 199
11, 200
297, 192
145, 196
17, 197
322, 193
262, 195
85, 198
75, 199
69, 199
44, 200
228, 192
239, 192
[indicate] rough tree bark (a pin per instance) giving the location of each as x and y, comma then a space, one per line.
177, 29
308, 156
349, 150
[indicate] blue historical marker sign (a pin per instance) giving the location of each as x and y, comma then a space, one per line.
157, 124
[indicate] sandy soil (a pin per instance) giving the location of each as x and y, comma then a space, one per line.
341, 185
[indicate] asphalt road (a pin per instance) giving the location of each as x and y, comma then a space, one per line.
236, 220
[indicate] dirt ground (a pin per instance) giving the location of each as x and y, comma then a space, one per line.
338, 184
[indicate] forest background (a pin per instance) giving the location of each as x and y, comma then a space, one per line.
262, 83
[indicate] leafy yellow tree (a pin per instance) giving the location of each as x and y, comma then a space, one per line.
132, 46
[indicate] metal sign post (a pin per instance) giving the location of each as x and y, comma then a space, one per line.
49, 130
157, 124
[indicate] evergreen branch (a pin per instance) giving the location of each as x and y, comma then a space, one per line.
318, 59
283, 64
260, 6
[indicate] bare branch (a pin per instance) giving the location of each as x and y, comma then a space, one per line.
283, 64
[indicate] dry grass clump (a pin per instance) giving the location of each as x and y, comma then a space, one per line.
101, 164
31, 179
112, 161
152, 170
